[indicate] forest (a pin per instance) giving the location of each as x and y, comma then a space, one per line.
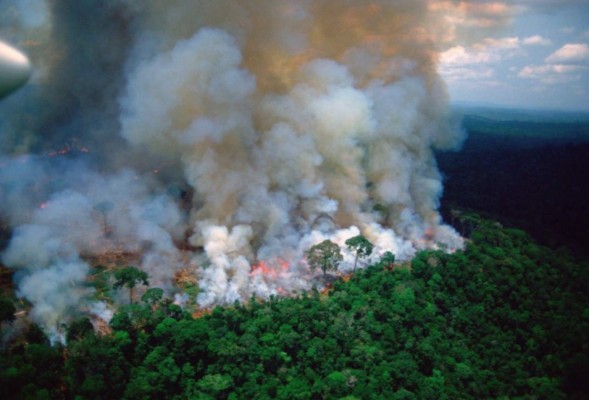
524, 174
506, 318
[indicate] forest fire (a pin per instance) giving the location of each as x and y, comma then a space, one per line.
113, 258
272, 271
237, 199
68, 149
223, 147
201, 312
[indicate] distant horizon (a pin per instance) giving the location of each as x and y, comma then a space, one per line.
516, 108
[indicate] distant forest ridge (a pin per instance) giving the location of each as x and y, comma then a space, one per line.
525, 174
497, 113
567, 132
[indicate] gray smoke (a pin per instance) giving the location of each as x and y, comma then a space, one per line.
222, 137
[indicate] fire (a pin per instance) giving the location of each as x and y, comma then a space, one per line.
201, 312
283, 264
59, 152
69, 148
279, 267
261, 268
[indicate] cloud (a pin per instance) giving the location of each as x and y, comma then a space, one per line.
570, 63
467, 74
476, 62
469, 21
536, 40
535, 71
508, 43
459, 64
570, 54
459, 55
475, 14
487, 51
553, 74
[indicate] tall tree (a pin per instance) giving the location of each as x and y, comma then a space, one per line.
130, 277
104, 208
325, 255
388, 260
361, 246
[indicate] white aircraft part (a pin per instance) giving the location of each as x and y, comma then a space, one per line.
15, 69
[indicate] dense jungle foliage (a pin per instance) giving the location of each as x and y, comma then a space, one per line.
525, 174
507, 318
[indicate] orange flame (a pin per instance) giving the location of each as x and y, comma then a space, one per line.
280, 266
59, 152
201, 312
67, 149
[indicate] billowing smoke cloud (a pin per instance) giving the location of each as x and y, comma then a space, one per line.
308, 113
222, 137
97, 214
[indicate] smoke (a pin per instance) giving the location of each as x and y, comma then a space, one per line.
225, 137
104, 213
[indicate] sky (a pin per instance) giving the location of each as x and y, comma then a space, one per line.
516, 53
537, 59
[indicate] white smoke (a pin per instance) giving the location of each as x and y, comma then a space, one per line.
225, 136
48, 251
266, 166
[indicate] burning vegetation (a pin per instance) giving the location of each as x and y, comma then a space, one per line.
221, 142
170, 157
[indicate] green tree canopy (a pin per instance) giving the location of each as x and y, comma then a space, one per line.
361, 246
442, 326
325, 255
152, 295
130, 277
387, 259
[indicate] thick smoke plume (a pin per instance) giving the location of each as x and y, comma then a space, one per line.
220, 137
